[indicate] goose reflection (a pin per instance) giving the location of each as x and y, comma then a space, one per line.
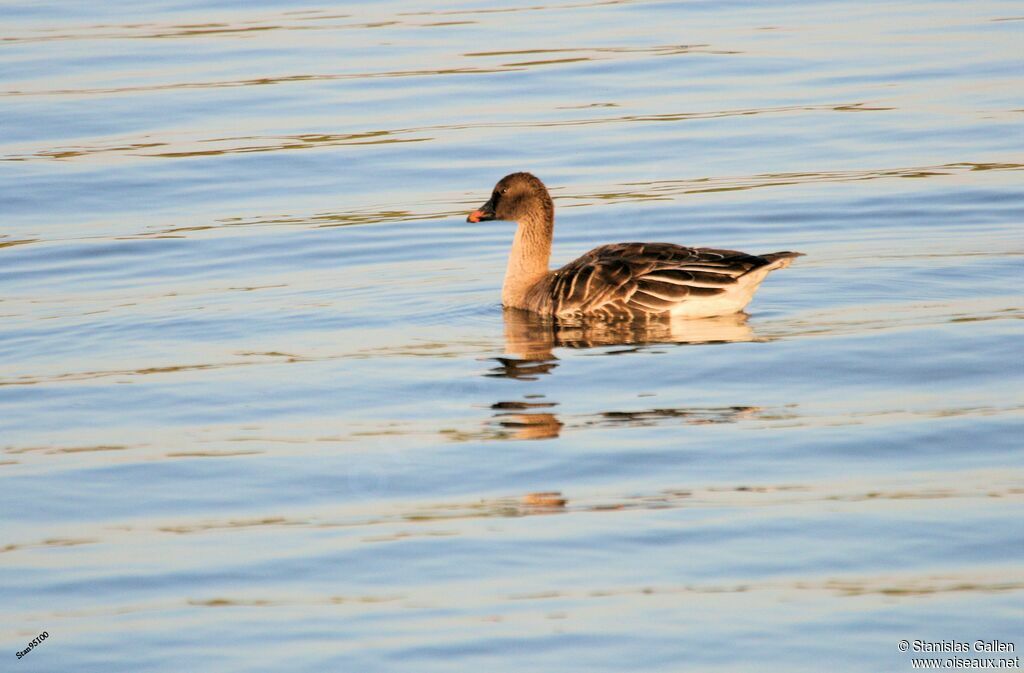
530, 342
531, 338
513, 419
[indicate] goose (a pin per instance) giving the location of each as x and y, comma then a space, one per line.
620, 280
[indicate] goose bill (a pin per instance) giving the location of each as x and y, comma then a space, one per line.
482, 214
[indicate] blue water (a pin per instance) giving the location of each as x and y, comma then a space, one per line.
261, 409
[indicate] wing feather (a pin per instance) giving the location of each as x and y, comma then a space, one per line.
643, 278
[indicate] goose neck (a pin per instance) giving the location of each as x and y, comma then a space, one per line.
529, 259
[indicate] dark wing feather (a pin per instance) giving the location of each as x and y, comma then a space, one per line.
626, 279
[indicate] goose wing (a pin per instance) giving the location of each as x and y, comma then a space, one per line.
630, 279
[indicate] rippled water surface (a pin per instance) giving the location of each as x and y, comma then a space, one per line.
261, 409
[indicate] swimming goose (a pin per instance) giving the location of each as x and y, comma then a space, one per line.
621, 280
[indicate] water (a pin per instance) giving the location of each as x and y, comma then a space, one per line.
260, 408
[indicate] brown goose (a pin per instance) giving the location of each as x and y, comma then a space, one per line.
620, 280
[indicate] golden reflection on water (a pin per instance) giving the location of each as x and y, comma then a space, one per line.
660, 190
739, 501
527, 426
288, 21
860, 587
9, 244
587, 54
256, 81
245, 144
508, 426
313, 19
870, 591
531, 344
51, 542
531, 340
667, 189
526, 8
52, 450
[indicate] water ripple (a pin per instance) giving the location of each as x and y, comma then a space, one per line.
199, 146
658, 190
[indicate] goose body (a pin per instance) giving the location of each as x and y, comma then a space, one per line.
621, 280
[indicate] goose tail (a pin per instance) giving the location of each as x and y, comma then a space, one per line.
780, 260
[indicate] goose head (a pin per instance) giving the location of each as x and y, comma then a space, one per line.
516, 197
